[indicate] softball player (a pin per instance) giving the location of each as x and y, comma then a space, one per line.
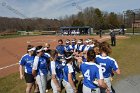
40, 69
107, 63
68, 47
47, 48
57, 73
26, 62
82, 47
73, 43
91, 42
69, 75
77, 46
60, 48
89, 45
91, 71
47, 52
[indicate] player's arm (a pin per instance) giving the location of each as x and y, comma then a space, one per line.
100, 80
103, 85
35, 66
54, 76
116, 67
34, 72
75, 51
118, 71
56, 82
71, 82
79, 60
21, 67
21, 71
65, 49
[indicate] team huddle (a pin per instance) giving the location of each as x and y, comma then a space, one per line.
88, 57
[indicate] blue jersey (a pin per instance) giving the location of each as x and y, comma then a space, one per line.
77, 47
73, 46
40, 64
91, 47
108, 64
91, 71
60, 49
68, 48
68, 68
57, 69
47, 55
27, 62
84, 59
88, 47
82, 47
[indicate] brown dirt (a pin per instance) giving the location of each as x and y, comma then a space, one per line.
12, 49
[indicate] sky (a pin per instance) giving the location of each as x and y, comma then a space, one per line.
59, 8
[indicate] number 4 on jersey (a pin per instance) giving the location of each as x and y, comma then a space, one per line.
87, 74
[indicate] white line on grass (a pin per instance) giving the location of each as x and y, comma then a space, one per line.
8, 66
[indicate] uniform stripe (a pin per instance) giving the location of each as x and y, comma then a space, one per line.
107, 57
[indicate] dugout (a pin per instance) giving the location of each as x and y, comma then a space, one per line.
76, 30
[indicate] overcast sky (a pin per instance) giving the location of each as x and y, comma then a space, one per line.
57, 8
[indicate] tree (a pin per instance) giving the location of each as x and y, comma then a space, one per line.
99, 20
77, 23
113, 20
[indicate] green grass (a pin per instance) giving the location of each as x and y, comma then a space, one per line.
14, 36
10, 36
12, 84
129, 30
126, 53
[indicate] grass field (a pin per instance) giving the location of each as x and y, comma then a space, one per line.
129, 30
14, 36
127, 53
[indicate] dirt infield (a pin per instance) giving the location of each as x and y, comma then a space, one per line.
12, 49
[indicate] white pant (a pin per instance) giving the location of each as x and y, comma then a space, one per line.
88, 90
108, 82
54, 87
42, 82
67, 86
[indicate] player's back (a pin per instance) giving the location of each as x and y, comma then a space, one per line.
56, 68
27, 61
68, 48
68, 68
60, 49
108, 64
90, 72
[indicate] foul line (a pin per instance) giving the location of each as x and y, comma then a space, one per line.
8, 66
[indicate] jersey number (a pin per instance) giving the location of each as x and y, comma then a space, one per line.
87, 74
103, 67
